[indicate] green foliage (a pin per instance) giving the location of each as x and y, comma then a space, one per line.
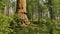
11, 25
4, 24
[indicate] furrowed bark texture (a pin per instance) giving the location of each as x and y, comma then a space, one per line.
21, 11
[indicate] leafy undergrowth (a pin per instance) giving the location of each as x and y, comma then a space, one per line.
12, 26
4, 24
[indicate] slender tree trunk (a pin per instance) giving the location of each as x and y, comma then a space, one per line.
21, 11
8, 13
39, 12
52, 16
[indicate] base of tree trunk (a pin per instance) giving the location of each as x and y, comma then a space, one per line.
24, 18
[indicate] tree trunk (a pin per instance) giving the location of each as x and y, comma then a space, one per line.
52, 16
8, 12
39, 12
21, 11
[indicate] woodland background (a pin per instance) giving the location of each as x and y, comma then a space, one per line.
43, 15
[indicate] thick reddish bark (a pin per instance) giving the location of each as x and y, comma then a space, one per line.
21, 11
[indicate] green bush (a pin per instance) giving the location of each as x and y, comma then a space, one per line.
11, 25
4, 24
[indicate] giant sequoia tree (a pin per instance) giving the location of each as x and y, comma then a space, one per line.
21, 11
